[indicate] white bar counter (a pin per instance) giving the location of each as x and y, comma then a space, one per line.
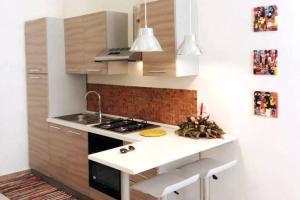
155, 152
149, 152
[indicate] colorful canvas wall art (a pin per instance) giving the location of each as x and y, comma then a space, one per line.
265, 62
266, 104
265, 18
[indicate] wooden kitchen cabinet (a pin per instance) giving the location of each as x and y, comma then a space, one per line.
37, 100
74, 49
169, 28
58, 153
36, 46
94, 42
88, 35
49, 93
143, 176
68, 149
77, 160
161, 19
135, 195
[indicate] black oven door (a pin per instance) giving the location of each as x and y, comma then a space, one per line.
101, 177
105, 179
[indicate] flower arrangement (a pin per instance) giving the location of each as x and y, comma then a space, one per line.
200, 127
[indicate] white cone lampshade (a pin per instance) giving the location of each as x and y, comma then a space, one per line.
189, 46
146, 41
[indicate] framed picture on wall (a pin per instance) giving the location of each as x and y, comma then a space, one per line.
265, 62
265, 18
266, 104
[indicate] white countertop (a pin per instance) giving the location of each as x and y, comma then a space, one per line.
149, 153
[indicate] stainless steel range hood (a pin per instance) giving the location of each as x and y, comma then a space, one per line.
117, 40
118, 54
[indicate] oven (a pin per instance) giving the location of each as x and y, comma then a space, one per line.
103, 178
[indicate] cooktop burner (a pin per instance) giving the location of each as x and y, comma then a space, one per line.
125, 125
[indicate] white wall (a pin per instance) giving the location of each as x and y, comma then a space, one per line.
268, 149
13, 117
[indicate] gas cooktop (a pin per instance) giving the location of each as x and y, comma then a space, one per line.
125, 126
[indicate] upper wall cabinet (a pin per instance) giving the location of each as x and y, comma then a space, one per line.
36, 46
85, 37
94, 26
169, 19
74, 35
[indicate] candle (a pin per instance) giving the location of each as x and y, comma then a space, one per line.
201, 109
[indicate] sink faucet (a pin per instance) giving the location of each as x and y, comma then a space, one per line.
99, 102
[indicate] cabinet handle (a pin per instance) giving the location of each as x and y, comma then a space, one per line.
157, 72
74, 132
93, 70
34, 77
34, 70
73, 70
55, 127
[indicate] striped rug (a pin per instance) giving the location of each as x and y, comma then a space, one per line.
28, 186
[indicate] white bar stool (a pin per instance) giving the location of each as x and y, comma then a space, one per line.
163, 184
205, 168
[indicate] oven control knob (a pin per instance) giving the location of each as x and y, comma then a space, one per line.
94, 177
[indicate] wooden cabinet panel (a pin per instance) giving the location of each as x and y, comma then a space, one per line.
85, 37
74, 48
94, 26
143, 176
69, 157
37, 91
135, 195
37, 98
38, 147
36, 46
161, 17
96, 195
77, 160
58, 152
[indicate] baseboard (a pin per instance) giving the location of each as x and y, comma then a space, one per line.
13, 175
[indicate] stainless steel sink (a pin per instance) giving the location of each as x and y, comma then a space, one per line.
85, 118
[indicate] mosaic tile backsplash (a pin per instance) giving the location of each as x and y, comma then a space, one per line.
169, 106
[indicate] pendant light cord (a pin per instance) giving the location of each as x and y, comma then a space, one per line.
146, 24
190, 16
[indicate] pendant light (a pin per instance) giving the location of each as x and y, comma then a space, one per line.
189, 45
146, 41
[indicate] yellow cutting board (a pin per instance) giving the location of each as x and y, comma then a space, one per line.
153, 133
